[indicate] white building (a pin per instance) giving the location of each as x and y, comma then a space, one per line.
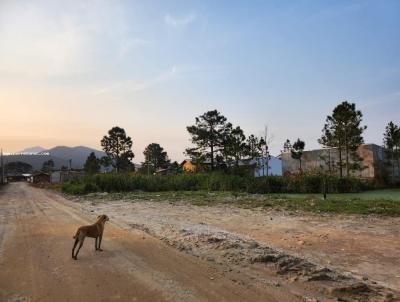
264, 166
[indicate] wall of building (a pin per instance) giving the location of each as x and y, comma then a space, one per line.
274, 167
327, 159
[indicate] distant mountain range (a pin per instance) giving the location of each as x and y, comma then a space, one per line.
61, 155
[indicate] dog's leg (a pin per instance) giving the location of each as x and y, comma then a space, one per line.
73, 249
80, 245
100, 237
95, 243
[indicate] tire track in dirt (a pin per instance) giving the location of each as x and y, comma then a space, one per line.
234, 251
37, 264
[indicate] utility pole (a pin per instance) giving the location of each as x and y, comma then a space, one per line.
148, 164
266, 148
2, 166
268, 141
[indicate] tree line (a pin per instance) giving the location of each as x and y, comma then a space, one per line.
218, 144
119, 155
217, 141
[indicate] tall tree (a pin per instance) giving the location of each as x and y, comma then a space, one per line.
195, 155
343, 130
155, 157
391, 141
258, 148
118, 147
126, 163
235, 144
266, 153
92, 164
48, 166
297, 150
208, 135
255, 146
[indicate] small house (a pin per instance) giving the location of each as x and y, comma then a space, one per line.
188, 165
63, 176
55, 177
41, 177
11, 177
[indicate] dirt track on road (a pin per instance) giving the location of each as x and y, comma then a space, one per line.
36, 228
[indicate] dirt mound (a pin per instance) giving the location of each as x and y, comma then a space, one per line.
226, 248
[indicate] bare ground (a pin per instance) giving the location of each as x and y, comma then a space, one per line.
205, 253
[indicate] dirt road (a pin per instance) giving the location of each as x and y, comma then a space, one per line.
36, 228
161, 251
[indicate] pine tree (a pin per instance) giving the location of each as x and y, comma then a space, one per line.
343, 130
92, 164
48, 166
118, 147
297, 151
155, 157
235, 144
208, 135
391, 141
255, 147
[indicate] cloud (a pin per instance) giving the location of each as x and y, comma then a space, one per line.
179, 22
134, 85
63, 40
130, 44
36, 44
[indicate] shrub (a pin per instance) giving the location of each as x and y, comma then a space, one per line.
72, 188
303, 183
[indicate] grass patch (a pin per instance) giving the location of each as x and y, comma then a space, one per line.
387, 194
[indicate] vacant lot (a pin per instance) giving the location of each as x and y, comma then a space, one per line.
380, 202
366, 246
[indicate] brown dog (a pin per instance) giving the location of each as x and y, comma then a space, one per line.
94, 231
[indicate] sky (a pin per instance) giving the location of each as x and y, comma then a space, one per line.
71, 70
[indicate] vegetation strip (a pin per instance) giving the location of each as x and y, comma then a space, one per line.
382, 202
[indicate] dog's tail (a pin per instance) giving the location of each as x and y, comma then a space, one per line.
77, 233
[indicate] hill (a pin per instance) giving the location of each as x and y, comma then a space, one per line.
35, 160
77, 155
61, 155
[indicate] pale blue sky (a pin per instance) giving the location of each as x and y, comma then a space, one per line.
69, 70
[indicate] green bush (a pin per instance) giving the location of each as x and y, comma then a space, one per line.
72, 188
302, 183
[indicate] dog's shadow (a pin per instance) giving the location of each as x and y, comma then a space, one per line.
92, 256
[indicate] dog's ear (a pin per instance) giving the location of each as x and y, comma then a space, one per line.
98, 217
